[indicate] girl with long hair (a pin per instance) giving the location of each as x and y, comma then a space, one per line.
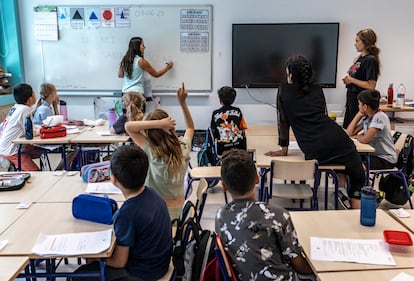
363, 73
169, 155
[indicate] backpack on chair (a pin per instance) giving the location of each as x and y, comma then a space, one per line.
193, 246
392, 185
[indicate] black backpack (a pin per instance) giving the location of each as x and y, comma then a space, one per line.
392, 185
405, 158
193, 246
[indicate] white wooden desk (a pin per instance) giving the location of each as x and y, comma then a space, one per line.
62, 141
368, 275
256, 142
345, 224
68, 188
10, 267
49, 218
407, 222
35, 187
261, 130
8, 215
90, 135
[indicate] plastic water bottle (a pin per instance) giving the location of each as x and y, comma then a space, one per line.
63, 110
28, 126
368, 206
390, 94
111, 117
400, 96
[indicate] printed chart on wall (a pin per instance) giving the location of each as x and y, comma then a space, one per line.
93, 40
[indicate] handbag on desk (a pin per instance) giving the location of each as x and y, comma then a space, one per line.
94, 208
52, 132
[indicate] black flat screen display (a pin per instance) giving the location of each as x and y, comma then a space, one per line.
261, 50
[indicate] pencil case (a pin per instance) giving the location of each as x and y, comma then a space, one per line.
13, 181
96, 172
94, 208
52, 132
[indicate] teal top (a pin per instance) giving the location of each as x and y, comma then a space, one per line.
135, 83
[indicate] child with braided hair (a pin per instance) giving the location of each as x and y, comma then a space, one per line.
302, 106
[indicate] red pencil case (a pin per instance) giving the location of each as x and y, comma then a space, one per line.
52, 132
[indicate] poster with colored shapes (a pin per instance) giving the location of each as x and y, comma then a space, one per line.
63, 17
108, 17
77, 18
122, 18
93, 17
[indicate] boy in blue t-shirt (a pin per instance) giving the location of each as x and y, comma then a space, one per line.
142, 225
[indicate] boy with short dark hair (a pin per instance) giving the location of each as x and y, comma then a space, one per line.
142, 225
376, 130
261, 241
227, 122
13, 128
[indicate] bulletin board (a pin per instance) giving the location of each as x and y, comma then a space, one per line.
93, 39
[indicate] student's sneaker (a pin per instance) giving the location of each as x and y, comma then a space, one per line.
344, 200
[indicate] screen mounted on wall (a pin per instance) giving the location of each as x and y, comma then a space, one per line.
261, 50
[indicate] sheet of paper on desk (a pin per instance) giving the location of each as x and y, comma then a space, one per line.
105, 133
105, 187
72, 131
71, 244
403, 277
370, 251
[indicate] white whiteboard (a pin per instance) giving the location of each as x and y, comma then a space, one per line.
88, 58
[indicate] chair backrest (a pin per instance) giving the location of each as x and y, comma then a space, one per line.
225, 266
201, 197
399, 143
293, 170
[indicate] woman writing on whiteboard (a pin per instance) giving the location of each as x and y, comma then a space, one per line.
133, 68
363, 74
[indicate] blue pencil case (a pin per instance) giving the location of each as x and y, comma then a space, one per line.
96, 172
94, 208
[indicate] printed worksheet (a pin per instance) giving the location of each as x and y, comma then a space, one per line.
370, 251
71, 244
105, 187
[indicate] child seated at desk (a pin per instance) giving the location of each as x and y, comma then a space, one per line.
227, 122
376, 128
13, 128
261, 240
142, 225
132, 104
47, 105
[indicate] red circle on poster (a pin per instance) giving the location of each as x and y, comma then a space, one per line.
107, 15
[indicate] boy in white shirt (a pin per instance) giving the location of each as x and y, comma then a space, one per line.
13, 128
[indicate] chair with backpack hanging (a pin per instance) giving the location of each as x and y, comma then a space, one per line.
394, 182
219, 268
193, 246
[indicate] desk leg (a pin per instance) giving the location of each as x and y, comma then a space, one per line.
79, 164
368, 165
262, 193
19, 157
65, 166
102, 269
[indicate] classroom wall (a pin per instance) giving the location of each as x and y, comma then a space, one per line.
392, 21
